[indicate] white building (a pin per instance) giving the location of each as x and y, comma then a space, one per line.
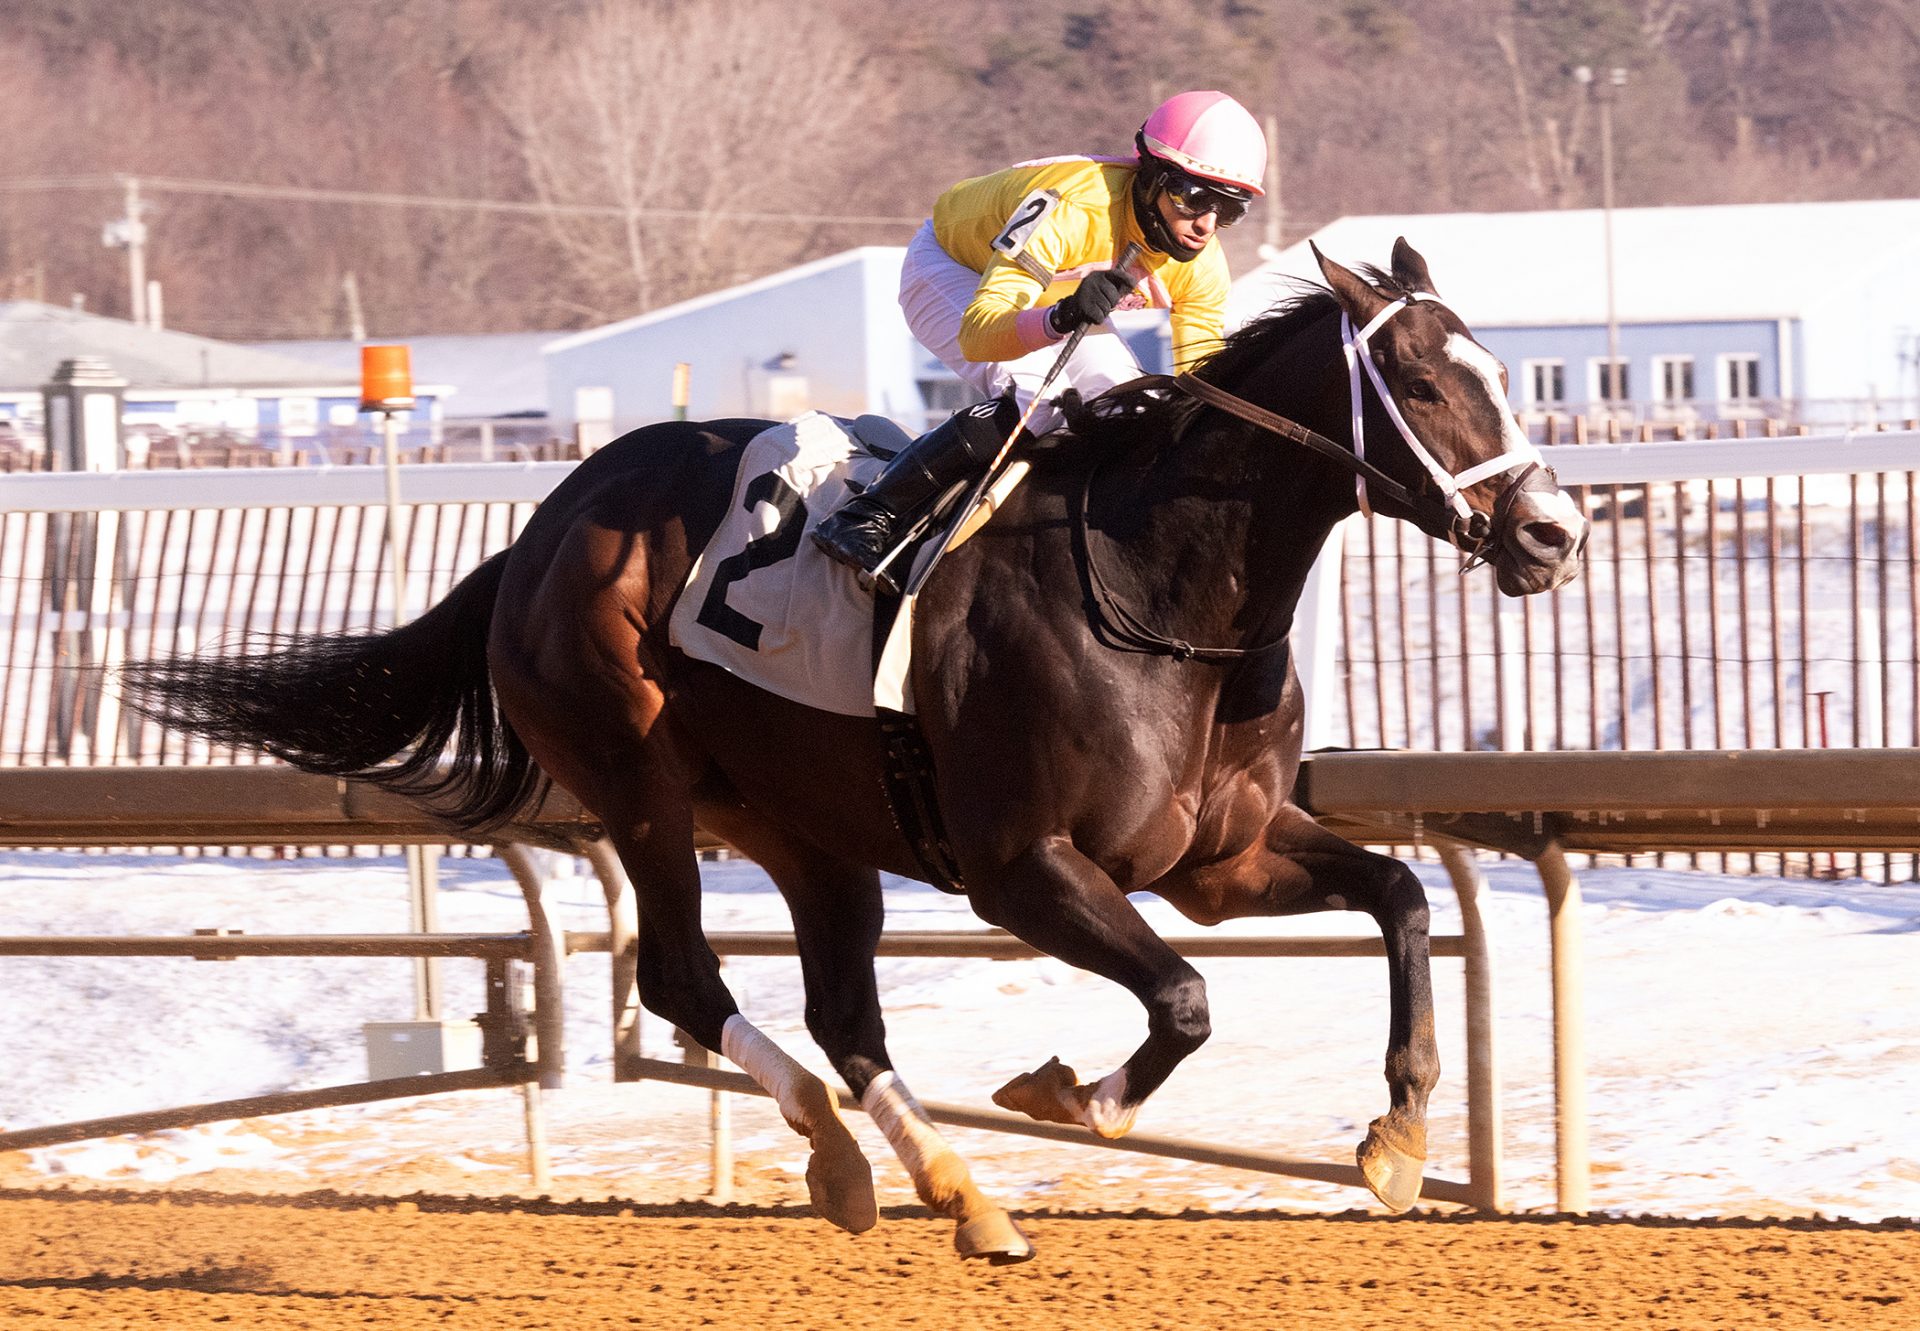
1807, 310
827, 336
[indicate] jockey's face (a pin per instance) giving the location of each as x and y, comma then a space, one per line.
1191, 232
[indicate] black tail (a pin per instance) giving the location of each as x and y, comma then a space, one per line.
346, 704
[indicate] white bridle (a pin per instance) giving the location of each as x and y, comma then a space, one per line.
1450, 483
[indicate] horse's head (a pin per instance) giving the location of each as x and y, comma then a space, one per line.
1436, 418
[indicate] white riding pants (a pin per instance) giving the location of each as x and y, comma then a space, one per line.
935, 290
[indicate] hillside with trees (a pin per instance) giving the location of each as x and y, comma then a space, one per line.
517, 166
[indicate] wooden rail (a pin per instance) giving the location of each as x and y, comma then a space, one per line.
1543, 805
273, 805
1612, 803
48, 807
1539, 805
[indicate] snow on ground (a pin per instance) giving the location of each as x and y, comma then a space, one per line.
1753, 1044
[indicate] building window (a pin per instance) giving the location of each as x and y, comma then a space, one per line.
1739, 381
1673, 382
1546, 384
1615, 388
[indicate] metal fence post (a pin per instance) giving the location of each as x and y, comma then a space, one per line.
1485, 1163
1569, 1036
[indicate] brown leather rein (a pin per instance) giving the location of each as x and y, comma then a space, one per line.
1128, 630
1479, 534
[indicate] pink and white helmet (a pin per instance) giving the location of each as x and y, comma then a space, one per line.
1209, 135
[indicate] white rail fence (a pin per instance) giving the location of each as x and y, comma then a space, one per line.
1739, 593
82, 806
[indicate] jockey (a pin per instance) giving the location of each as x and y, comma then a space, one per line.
1012, 263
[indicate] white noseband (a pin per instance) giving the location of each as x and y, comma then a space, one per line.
1450, 483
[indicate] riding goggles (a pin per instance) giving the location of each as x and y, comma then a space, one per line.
1192, 197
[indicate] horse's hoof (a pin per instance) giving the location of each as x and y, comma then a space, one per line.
994, 1236
1045, 1095
1394, 1175
840, 1181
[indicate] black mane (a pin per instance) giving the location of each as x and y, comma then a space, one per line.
1117, 418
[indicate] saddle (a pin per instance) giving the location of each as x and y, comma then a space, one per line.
765, 605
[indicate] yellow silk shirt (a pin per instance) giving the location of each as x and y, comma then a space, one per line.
1086, 230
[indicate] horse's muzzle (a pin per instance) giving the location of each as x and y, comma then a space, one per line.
1541, 543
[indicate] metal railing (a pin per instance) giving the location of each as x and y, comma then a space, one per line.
103, 806
173, 447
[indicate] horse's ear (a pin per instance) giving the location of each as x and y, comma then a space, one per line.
1409, 269
1355, 294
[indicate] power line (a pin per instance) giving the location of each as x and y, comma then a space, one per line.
302, 194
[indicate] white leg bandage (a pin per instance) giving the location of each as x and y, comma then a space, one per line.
769, 1065
906, 1125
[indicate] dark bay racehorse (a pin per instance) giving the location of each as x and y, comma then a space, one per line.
1084, 749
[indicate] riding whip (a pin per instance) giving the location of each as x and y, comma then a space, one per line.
974, 496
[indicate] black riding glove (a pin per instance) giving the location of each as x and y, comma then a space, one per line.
1092, 301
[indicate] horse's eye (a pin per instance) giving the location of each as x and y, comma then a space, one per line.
1423, 390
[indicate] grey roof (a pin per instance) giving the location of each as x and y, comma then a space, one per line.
35, 338
491, 374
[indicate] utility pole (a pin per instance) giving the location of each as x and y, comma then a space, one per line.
1605, 93
1276, 211
356, 321
130, 233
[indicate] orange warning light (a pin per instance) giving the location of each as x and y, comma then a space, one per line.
386, 378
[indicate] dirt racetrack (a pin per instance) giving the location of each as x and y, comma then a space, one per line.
187, 1260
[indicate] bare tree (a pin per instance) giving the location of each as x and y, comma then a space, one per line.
680, 116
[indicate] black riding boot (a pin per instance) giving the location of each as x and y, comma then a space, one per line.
861, 531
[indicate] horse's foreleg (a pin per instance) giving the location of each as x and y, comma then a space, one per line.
837, 917
1058, 900
1393, 1156
1305, 868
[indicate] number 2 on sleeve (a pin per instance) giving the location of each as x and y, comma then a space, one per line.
1026, 220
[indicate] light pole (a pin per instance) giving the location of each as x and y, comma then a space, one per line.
386, 387
1604, 93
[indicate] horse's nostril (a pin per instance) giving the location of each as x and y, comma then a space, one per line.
1548, 535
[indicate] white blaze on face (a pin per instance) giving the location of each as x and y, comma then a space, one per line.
1463, 350
1550, 505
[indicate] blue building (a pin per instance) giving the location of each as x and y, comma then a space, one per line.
1807, 311
826, 335
474, 376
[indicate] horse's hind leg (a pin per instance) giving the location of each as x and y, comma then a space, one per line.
680, 980
636, 791
837, 917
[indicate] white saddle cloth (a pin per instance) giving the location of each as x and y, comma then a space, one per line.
762, 601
